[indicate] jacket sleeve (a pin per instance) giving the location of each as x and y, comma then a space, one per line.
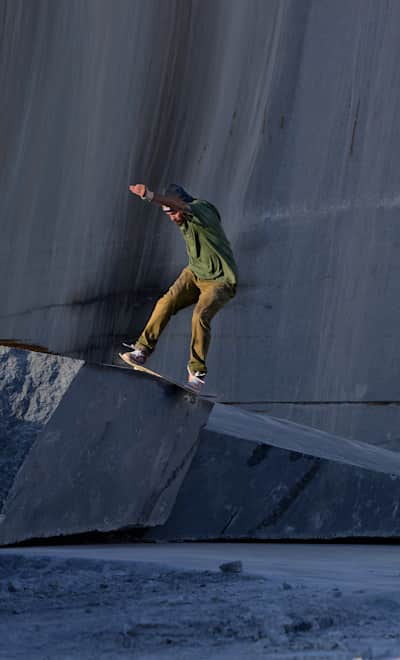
202, 213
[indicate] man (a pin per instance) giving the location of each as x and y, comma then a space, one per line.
209, 281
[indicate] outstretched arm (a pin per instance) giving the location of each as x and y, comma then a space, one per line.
174, 203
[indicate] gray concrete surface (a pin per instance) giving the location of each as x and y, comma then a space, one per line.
352, 566
286, 119
31, 387
259, 477
294, 602
239, 489
375, 423
234, 422
113, 454
102, 448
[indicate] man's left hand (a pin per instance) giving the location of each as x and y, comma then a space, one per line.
138, 189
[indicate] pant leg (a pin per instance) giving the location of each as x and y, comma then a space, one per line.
213, 296
182, 293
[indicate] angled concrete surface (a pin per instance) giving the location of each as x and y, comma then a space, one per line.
113, 455
235, 422
264, 478
375, 422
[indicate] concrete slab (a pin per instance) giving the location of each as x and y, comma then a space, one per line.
374, 422
259, 478
238, 423
113, 455
113, 446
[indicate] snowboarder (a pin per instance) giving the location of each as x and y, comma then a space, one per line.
209, 280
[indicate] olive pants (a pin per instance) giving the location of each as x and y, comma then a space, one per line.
188, 289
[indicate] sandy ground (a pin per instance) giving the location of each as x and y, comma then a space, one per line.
173, 602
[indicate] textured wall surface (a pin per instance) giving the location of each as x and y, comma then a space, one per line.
282, 113
31, 387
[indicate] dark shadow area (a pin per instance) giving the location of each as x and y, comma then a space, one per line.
137, 535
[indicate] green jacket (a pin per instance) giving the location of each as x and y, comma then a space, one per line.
209, 251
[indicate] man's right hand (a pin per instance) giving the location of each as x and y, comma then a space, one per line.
138, 189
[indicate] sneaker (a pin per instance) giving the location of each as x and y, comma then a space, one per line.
136, 356
131, 346
196, 380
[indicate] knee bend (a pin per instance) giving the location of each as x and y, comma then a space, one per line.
200, 316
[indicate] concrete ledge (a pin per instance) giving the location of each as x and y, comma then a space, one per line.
238, 423
260, 478
113, 455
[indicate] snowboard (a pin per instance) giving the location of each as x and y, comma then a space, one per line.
150, 372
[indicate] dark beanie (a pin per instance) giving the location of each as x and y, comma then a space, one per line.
177, 191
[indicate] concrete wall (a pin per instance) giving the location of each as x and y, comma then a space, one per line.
283, 113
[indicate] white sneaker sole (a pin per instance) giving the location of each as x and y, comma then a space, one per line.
194, 383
